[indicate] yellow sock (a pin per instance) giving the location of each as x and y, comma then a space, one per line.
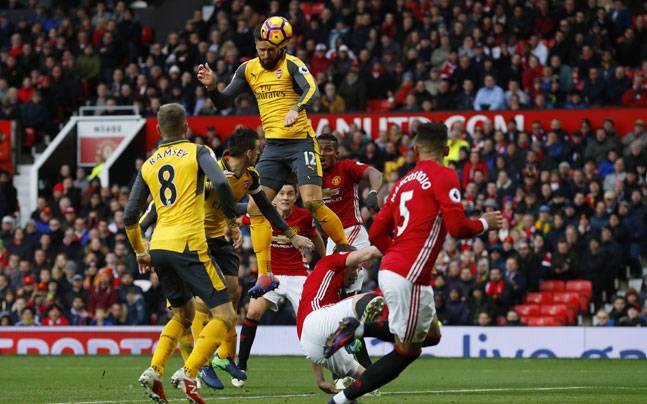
213, 334
330, 223
186, 344
261, 242
169, 337
199, 320
228, 347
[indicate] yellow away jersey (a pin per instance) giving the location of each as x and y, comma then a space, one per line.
247, 183
176, 184
276, 92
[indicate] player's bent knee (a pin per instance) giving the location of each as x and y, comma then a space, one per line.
432, 340
313, 205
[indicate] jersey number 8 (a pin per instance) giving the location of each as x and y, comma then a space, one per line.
166, 175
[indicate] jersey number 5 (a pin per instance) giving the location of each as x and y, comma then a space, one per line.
404, 211
168, 192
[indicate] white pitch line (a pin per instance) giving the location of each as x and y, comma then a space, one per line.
385, 393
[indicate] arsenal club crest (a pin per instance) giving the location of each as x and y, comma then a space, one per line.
246, 184
279, 73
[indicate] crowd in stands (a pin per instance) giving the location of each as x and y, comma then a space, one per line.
574, 202
366, 55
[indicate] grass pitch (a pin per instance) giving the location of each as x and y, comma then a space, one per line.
107, 380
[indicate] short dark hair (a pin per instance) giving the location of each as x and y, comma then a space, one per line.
257, 33
241, 140
432, 136
327, 136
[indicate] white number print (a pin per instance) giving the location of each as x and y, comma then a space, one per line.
310, 158
404, 212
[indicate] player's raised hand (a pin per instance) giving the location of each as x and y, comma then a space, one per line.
144, 263
494, 220
300, 243
205, 76
291, 118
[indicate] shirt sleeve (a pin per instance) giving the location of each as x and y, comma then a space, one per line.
334, 262
255, 186
305, 82
381, 232
209, 165
355, 170
226, 97
447, 192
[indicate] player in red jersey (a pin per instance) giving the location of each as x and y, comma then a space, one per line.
287, 266
321, 310
410, 229
341, 181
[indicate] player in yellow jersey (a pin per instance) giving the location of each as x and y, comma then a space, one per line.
174, 176
243, 148
284, 88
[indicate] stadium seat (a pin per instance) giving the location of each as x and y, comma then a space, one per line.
543, 322
559, 311
552, 286
580, 286
527, 310
569, 298
539, 297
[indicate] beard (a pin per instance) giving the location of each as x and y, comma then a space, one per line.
269, 65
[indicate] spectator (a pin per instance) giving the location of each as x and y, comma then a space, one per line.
456, 310
602, 319
136, 312
499, 291
490, 97
636, 95
103, 295
632, 319
55, 317
512, 319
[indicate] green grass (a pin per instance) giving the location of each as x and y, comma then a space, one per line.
114, 380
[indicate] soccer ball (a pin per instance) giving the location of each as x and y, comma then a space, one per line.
277, 31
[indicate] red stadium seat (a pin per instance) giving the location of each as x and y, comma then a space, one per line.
527, 310
543, 322
584, 304
571, 299
559, 311
552, 286
581, 286
539, 297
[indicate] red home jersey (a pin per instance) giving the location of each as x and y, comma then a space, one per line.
410, 230
287, 260
340, 193
322, 286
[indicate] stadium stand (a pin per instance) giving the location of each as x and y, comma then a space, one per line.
574, 201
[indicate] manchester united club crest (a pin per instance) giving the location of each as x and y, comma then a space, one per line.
279, 73
336, 180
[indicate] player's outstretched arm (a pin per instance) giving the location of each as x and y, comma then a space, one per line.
270, 213
317, 371
362, 255
447, 192
136, 202
226, 97
375, 179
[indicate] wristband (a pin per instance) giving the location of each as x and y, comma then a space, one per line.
485, 225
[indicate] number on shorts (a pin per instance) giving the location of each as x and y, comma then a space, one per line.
166, 175
404, 211
310, 158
